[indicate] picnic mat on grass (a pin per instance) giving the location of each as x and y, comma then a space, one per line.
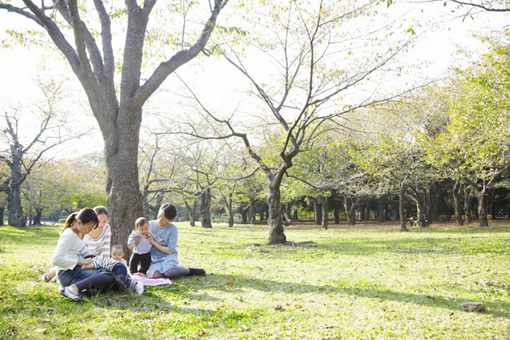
152, 282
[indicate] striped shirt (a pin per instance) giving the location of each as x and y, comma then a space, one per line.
105, 262
100, 246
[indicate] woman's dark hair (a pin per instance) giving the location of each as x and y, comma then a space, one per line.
86, 215
140, 221
169, 210
100, 210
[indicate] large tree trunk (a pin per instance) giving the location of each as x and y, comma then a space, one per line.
403, 226
324, 204
482, 208
350, 210
276, 234
15, 217
205, 208
1, 215
38, 216
457, 202
124, 198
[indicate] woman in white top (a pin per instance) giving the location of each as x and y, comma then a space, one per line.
72, 252
97, 240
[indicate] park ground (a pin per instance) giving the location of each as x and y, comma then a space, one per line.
349, 283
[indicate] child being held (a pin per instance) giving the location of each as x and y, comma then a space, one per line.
139, 243
117, 254
117, 265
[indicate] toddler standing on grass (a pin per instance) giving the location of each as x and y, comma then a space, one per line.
117, 265
139, 243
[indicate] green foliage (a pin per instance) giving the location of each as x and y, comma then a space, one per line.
21, 38
475, 143
60, 185
326, 167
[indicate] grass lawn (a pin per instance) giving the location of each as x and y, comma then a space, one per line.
352, 283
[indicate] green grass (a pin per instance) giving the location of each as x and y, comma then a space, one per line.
349, 284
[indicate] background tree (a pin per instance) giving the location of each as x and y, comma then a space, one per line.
475, 144
22, 154
297, 96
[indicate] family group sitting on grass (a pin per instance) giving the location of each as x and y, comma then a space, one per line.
83, 262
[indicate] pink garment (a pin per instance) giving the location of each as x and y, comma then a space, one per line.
151, 282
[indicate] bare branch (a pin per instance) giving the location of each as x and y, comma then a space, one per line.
180, 58
21, 11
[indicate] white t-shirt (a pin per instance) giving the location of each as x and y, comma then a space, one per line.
70, 248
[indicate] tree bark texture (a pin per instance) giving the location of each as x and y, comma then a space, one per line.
403, 226
38, 216
350, 210
324, 204
276, 235
457, 202
482, 208
205, 208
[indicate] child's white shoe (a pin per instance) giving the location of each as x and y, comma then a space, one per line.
136, 287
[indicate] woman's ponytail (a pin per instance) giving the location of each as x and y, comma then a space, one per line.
69, 221
85, 215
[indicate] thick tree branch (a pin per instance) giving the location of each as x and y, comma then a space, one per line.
21, 11
180, 58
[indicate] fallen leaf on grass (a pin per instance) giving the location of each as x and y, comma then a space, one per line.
230, 283
278, 307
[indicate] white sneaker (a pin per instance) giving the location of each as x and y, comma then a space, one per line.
138, 288
70, 294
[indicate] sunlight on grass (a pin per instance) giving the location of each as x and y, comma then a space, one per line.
346, 284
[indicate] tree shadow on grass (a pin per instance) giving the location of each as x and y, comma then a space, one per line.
50, 303
61, 317
236, 283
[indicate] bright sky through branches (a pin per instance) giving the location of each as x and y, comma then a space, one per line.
441, 30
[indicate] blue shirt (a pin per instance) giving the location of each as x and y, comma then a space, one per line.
168, 235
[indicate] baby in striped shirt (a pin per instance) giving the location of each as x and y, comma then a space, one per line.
117, 265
